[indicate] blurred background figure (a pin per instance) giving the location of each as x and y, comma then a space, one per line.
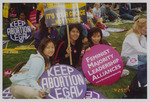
45, 32
125, 12
108, 13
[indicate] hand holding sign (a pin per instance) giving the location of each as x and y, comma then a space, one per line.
102, 65
58, 14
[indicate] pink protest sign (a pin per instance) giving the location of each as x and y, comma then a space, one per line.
102, 65
7, 72
32, 17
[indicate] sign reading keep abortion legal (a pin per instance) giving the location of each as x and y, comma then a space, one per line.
19, 31
64, 81
102, 65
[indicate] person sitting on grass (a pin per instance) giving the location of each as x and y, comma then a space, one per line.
95, 37
63, 50
84, 32
22, 17
107, 13
125, 12
133, 48
97, 10
24, 83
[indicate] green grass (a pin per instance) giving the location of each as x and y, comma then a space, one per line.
116, 39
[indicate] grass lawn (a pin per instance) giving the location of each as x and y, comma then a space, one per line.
113, 91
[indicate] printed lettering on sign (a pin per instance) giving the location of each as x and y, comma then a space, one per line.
6, 94
102, 65
93, 94
19, 31
57, 14
64, 81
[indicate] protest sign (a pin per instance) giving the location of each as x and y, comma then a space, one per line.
57, 14
7, 72
93, 94
102, 65
6, 10
19, 31
32, 17
6, 94
64, 81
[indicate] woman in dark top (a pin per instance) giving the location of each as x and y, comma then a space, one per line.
125, 12
62, 49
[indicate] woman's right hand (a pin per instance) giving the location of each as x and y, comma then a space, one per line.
41, 95
68, 50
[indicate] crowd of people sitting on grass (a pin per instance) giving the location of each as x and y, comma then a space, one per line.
51, 43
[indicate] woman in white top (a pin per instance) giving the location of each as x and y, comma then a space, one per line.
133, 46
24, 83
96, 10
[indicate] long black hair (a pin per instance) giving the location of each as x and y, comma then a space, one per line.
79, 43
92, 31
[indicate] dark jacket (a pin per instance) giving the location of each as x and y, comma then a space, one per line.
61, 51
38, 37
124, 9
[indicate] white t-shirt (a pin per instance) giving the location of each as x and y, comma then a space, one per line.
143, 42
89, 15
97, 12
131, 48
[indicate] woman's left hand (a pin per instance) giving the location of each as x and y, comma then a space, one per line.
57, 64
88, 49
41, 95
